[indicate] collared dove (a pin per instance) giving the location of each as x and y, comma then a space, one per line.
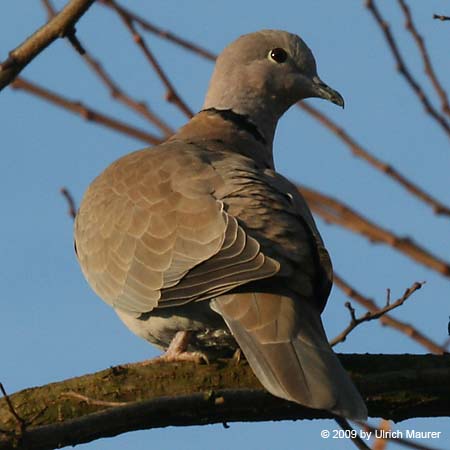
199, 237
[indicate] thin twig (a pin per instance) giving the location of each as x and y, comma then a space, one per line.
372, 315
114, 90
117, 93
359, 443
70, 35
62, 25
172, 95
441, 17
20, 422
336, 212
380, 443
360, 152
49, 8
76, 44
388, 320
403, 70
90, 401
410, 26
85, 111
165, 34
70, 201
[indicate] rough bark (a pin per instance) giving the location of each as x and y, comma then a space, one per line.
82, 409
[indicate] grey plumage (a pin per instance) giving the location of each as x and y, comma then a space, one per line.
201, 234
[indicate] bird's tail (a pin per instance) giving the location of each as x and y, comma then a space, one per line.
285, 344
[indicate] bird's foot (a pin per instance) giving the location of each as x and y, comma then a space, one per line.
237, 356
177, 352
196, 357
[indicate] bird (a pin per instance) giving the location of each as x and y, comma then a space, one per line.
200, 246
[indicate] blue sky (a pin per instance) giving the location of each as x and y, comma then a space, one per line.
52, 326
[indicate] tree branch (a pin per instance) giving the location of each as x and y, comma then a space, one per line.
20, 423
380, 443
84, 111
372, 315
164, 34
360, 152
403, 69
334, 211
386, 319
394, 386
62, 25
115, 91
409, 24
172, 95
72, 207
441, 17
359, 443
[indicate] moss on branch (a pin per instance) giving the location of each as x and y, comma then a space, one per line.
132, 397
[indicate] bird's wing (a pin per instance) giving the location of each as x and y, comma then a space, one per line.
150, 233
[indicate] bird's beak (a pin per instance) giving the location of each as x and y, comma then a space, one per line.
324, 91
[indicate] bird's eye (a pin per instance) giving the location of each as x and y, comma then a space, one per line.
279, 55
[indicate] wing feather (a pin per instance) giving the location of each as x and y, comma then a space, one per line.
150, 233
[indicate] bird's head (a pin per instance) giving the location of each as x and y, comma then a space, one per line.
262, 74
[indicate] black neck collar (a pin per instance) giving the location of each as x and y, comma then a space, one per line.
240, 120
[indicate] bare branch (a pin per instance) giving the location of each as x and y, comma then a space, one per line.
114, 90
388, 320
372, 315
61, 25
70, 201
85, 111
19, 421
76, 44
441, 17
336, 212
49, 8
172, 95
165, 34
381, 443
118, 94
410, 26
359, 443
403, 70
387, 169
